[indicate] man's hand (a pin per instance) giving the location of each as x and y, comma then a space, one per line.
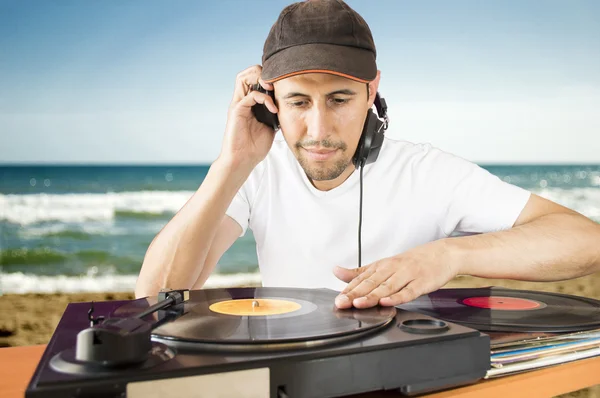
398, 279
247, 141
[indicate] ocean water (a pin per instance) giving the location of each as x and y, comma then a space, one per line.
87, 228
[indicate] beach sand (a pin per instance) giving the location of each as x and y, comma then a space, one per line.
30, 319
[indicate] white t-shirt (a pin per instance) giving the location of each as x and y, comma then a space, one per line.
412, 194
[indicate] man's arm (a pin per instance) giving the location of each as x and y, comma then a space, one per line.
177, 256
548, 242
184, 253
227, 233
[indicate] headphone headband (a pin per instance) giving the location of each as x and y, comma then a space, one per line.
381, 107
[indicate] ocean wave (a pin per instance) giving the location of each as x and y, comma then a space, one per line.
35, 256
143, 215
76, 208
30, 209
85, 231
20, 283
58, 261
69, 234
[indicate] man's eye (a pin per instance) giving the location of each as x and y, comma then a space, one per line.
336, 101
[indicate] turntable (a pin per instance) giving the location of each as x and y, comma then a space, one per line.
259, 342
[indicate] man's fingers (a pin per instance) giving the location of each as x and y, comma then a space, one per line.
266, 86
347, 274
360, 275
343, 300
385, 289
256, 97
239, 91
367, 284
406, 294
362, 286
244, 80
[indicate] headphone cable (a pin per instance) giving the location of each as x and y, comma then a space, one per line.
362, 165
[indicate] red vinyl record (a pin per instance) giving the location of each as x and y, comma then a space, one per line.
497, 309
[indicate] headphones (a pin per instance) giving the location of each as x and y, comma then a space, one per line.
371, 138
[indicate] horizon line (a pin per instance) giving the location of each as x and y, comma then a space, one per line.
193, 164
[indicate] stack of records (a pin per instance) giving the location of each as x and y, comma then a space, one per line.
528, 329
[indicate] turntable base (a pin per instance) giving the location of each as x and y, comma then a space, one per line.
17, 365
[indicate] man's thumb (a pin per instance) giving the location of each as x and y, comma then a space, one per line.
347, 274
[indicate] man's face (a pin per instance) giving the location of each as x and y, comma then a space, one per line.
322, 118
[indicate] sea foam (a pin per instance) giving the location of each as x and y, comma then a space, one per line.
75, 208
31, 209
20, 283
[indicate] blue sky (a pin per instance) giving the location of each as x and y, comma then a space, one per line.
150, 81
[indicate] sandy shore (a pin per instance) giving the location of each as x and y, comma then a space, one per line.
31, 318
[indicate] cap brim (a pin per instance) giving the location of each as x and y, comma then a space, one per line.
349, 62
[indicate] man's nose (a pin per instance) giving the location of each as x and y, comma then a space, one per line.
319, 127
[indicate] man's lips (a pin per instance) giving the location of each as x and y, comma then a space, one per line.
320, 153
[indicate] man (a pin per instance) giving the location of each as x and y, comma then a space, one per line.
300, 196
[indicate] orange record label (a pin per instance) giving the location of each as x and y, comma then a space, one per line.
255, 307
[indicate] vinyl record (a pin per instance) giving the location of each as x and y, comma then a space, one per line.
498, 309
259, 316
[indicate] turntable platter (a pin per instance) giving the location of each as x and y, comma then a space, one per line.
263, 316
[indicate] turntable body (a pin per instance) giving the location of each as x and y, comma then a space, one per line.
308, 350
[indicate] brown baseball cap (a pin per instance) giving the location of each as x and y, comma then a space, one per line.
325, 36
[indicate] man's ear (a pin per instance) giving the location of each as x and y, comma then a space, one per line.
373, 87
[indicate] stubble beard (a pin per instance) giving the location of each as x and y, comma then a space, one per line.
323, 171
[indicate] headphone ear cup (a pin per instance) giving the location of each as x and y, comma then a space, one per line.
262, 113
366, 140
376, 142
